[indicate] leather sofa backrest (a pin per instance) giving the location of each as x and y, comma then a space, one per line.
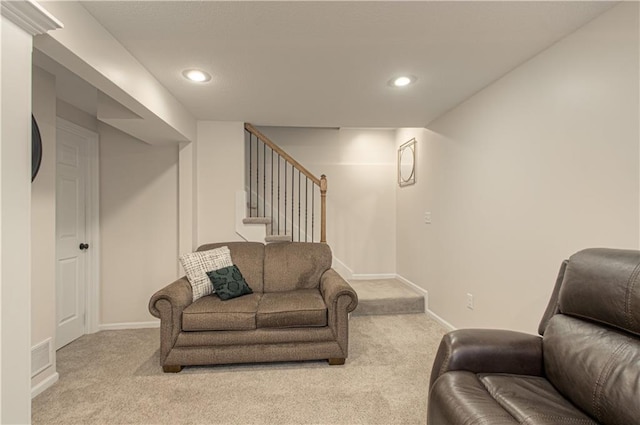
295, 265
249, 257
591, 347
603, 285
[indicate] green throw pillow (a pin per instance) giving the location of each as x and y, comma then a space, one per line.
229, 283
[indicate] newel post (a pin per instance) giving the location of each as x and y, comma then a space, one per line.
323, 209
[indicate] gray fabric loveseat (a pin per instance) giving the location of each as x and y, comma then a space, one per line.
583, 370
298, 311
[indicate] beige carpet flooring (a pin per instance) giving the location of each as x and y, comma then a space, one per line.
113, 377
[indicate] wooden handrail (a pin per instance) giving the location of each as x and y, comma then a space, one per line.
323, 209
282, 153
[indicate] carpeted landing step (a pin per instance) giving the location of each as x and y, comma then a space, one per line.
386, 296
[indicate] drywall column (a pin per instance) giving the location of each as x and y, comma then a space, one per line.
19, 22
186, 206
15, 193
219, 175
138, 226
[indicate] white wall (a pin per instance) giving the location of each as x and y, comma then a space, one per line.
360, 165
43, 222
540, 164
219, 174
411, 204
138, 224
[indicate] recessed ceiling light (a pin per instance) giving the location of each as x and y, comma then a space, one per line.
196, 75
402, 81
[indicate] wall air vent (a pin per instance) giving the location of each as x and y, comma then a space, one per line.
41, 357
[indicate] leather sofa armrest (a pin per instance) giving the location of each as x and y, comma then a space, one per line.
333, 286
179, 294
488, 351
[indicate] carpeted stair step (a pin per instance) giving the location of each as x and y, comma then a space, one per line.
278, 238
257, 220
386, 296
268, 221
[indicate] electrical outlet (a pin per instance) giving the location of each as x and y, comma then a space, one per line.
427, 217
470, 301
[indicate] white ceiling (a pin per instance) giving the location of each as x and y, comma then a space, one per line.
326, 64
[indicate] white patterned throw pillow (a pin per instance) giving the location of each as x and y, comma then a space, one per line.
197, 264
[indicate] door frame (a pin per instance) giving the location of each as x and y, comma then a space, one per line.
92, 220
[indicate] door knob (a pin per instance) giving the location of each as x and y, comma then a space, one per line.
84, 246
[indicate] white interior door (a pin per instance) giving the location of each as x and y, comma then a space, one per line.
71, 258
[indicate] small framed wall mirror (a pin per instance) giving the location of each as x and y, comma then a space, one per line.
407, 163
36, 148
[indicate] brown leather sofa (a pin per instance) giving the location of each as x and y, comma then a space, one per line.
583, 369
298, 311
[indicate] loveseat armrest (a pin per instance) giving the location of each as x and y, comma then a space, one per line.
179, 294
488, 351
333, 286
168, 304
340, 299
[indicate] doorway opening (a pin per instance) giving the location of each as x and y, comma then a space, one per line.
77, 232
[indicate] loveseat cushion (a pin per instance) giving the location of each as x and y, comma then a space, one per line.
292, 309
210, 313
294, 265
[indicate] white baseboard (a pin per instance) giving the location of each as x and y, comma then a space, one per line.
348, 274
373, 276
416, 287
342, 269
448, 326
37, 389
128, 325
420, 289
